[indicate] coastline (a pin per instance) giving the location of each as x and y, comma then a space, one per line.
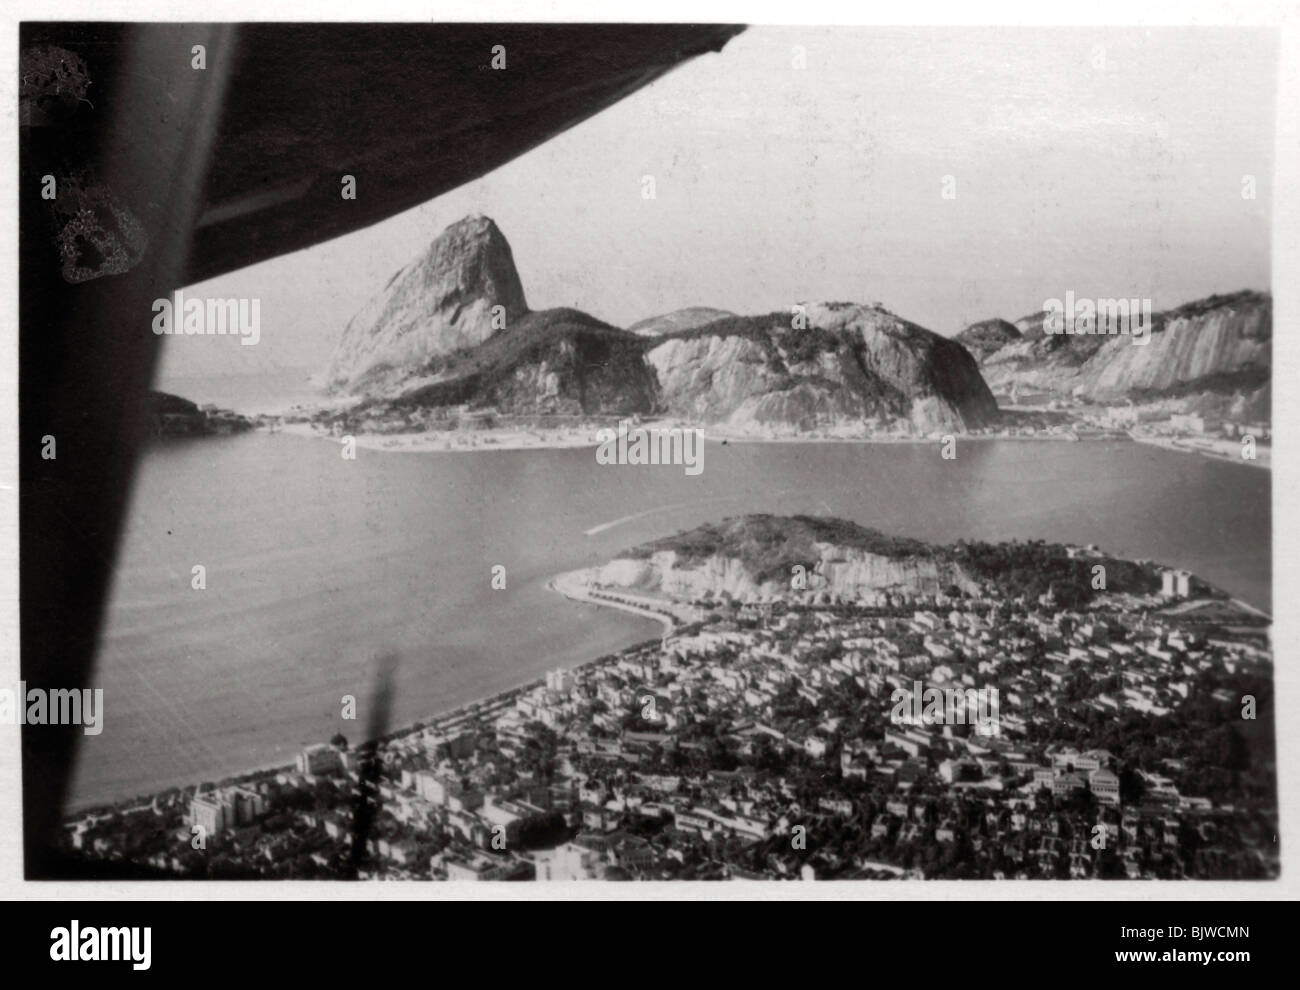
1263, 460
449, 441
455, 441
571, 585
442, 721
574, 585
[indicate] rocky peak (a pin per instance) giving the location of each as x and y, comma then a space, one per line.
441, 302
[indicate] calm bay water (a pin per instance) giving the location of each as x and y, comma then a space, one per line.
317, 566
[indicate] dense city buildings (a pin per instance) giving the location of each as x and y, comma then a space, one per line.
1131, 736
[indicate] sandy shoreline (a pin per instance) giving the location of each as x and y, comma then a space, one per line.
484, 440
450, 441
1227, 450
573, 585
455, 441
437, 722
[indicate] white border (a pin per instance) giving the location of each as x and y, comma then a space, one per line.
1286, 464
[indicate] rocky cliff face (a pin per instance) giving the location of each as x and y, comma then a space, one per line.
851, 366
440, 303
850, 574
753, 557
1216, 344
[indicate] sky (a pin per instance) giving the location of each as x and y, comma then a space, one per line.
811, 164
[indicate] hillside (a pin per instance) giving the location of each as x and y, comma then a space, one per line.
553, 362
754, 557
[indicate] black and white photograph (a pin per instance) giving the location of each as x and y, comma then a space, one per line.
566, 452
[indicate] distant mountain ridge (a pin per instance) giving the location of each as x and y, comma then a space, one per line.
679, 319
453, 329
1217, 344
